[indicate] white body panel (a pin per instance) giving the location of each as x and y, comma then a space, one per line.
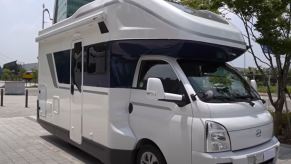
101, 114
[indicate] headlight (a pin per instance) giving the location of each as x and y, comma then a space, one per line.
217, 138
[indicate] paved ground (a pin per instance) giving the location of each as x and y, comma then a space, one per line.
285, 155
23, 141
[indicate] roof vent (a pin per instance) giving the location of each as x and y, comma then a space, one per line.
103, 28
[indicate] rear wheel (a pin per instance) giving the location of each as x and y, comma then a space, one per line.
150, 155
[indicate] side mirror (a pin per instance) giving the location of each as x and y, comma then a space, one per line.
155, 90
254, 84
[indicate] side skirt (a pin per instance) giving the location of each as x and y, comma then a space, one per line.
104, 154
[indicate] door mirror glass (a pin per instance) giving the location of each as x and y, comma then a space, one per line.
155, 89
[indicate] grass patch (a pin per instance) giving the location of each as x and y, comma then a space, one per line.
264, 89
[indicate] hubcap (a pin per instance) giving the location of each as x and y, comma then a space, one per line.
149, 158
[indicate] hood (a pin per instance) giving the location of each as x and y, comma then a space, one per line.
247, 126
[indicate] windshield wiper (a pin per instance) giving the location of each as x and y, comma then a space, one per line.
234, 99
244, 99
223, 98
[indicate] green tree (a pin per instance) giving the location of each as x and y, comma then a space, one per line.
35, 75
199, 4
6, 75
267, 22
21, 72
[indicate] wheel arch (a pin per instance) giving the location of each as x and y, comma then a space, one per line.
143, 142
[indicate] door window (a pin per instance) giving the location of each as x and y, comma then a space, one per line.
163, 71
76, 70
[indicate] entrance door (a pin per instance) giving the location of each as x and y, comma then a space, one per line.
76, 93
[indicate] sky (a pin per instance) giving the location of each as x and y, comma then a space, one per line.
21, 21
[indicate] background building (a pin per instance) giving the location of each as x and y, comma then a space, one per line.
12, 66
66, 8
30, 66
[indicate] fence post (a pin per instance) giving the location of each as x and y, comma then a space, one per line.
26, 98
2, 95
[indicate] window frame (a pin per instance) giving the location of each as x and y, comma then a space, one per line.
155, 60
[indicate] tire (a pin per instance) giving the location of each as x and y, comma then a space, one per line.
149, 154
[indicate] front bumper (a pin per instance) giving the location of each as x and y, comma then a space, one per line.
237, 157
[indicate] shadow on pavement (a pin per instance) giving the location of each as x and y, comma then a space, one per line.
72, 150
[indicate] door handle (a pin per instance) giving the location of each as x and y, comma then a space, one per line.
130, 108
72, 89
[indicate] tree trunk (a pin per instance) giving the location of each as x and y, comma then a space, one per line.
278, 122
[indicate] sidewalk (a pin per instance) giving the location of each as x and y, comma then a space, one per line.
14, 106
285, 154
24, 141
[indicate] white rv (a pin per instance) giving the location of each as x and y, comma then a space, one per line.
147, 82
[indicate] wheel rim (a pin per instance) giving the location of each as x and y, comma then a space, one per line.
149, 158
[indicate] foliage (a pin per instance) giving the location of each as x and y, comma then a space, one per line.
217, 80
264, 89
6, 74
21, 72
34, 75
267, 22
271, 20
201, 4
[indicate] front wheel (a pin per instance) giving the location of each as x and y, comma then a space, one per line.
150, 155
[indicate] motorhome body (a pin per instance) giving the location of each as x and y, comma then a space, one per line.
126, 80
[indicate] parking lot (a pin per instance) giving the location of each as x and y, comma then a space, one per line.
23, 141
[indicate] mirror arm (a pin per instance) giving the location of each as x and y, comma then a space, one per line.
193, 97
179, 103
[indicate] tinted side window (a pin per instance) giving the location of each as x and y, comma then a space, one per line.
161, 70
62, 62
95, 58
95, 63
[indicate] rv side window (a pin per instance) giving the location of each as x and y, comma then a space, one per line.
95, 65
62, 64
163, 71
95, 59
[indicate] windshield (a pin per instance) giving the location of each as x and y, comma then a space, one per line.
217, 82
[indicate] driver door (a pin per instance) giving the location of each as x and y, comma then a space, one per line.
164, 123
